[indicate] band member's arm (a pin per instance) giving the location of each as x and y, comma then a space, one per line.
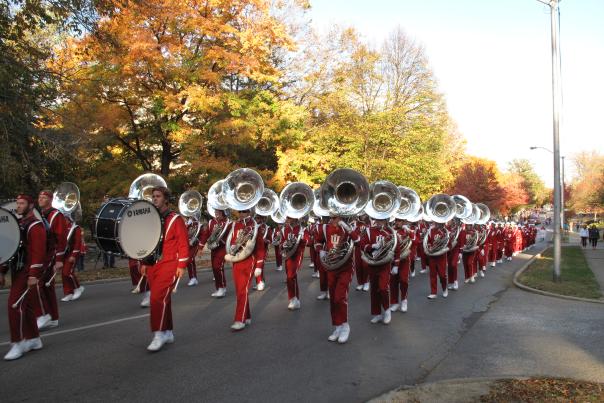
77, 244
319, 239
260, 252
182, 242
36, 249
365, 241
305, 237
204, 235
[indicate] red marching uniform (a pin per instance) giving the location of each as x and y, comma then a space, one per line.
500, 242
323, 286
32, 254
379, 276
362, 271
422, 228
293, 233
492, 241
46, 302
400, 280
135, 275
437, 264
508, 237
217, 254
266, 233
193, 248
328, 237
74, 247
277, 248
455, 247
162, 275
414, 246
244, 269
469, 258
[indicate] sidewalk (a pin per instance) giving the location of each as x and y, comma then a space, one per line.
595, 261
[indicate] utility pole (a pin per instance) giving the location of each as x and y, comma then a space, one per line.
557, 107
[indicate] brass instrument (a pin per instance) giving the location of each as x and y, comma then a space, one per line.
440, 208
142, 187
189, 205
244, 244
384, 253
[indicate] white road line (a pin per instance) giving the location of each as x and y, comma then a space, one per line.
77, 329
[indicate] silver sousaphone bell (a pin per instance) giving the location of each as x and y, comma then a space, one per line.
384, 200
345, 192
296, 200
441, 208
66, 198
216, 199
142, 187
410, 204
268, 203
463, 206
189, 205
242, 189
318, 208
485, 213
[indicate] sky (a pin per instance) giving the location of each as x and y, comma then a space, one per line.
492, 61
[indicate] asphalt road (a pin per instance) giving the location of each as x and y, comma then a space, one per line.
98, 353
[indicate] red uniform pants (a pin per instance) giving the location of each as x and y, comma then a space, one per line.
339, 282
70, 281
217, 256
412, 256
292, 265
492, 252
400, 281
45, 301
313, 257
424, 258
361, 269
161, 277
482, 256
438, 267
22, 319
468, 264
323, 286
135, 275
499, 251
192, 266
452, 259
260, 278
509, 249
379, 279
242, 276
278, 257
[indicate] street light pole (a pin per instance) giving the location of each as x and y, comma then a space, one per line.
557, 107
562, 215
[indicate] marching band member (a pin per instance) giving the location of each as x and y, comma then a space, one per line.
191, 264
293, 244
332, 237
454, 257
139, 281
264, 232
401, 278
310, 230
323, 285
26, 272
415, 242
360, 225
277, 248
509, 240
517, 236
164, 274
483, 252
422, 227
47, 309
500, 242
71, 286
469, 256
372, 240
438, 263
243, 270
215, 232
492, 241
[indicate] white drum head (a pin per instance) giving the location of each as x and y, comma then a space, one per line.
140, 229
10, 235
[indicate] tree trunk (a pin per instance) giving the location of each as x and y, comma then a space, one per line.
166, 157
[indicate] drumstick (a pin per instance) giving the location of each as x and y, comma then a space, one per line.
47, 284
176, 285
16, 304
138, 286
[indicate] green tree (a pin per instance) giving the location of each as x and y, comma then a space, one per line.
533, 185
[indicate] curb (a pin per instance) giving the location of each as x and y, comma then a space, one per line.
518, 284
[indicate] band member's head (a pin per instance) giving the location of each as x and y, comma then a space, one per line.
106, 198
161, 197
260, 219
398, 223
220, 214
25, 204
45, 199
325, 219
244, 214
290, 220
335, 220
381, 223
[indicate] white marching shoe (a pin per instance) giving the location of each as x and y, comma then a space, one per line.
323, 296
473, 279
499, 261
219, 293
237, 326
33, 344
422, 271
336, 333
248, 322
52, 323
168, 336
193, 282
316, 275
445, 293
377, 319
359, 287
344, 333
366, 287
387, 316
394, 307
455, 285
294, 303
482, 273
159, 339
260, 286
450, 286
404, 306
311, 264
16, 351
493, 264
413, 273
146, 301
77, 293
432, 296
42, 321
67, 298
279, 268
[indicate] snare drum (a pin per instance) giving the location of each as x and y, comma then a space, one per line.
127, 227
10, 235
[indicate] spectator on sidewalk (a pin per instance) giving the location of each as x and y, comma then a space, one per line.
584, 234
594, 234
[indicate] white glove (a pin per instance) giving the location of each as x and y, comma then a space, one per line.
482, 252
459, 259
322, 254
257, 272
376, 245
394, 270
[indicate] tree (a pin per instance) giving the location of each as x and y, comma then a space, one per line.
514, 193
533, 184
587, 193
479, 180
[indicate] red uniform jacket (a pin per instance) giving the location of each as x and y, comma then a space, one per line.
75, 243
376, 234
208, 229
175, 245
259, 250
292, 233
433, 233
329, 237
33, 235
57, 233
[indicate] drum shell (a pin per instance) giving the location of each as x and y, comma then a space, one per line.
10, 235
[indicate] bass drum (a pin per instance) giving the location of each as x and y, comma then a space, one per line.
10, 235
126, 227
